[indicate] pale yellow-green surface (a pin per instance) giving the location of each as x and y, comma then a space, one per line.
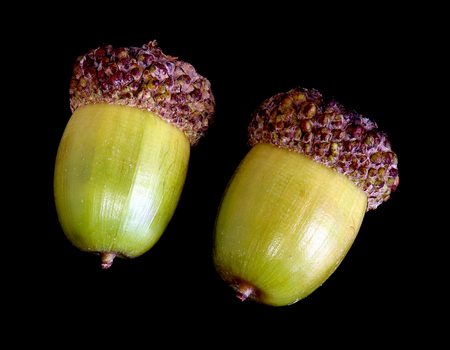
118, 177
284, 225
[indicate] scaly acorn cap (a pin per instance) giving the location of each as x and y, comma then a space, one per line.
301, 121
148, 79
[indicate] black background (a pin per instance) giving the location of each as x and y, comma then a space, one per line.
363, 61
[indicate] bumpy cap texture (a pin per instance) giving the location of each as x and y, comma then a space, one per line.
302, 121
148, 79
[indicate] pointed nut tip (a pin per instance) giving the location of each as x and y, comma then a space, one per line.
107, 259
241, 296
106, 265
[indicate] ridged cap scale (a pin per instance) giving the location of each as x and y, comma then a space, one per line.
302, 121
148, 79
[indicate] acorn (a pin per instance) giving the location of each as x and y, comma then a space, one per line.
123, 158
294, 205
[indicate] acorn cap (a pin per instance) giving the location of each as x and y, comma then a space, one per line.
148, 79
301, 121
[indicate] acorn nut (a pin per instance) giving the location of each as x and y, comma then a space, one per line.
123, 157
295, 203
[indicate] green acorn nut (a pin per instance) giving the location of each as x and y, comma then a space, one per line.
123, 157
295, 204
